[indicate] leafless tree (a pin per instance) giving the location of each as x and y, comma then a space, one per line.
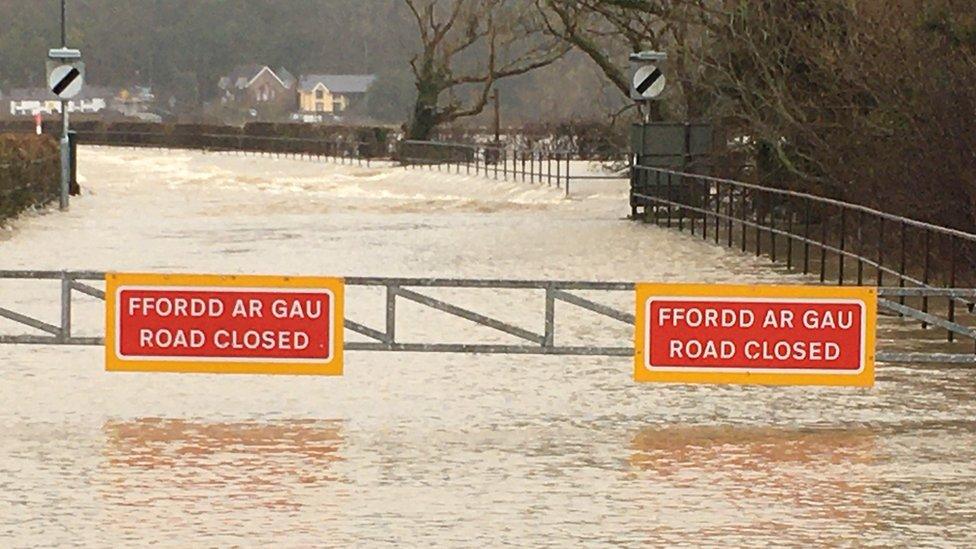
466, 47
607, 30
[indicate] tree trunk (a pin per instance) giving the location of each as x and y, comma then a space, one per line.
425, 117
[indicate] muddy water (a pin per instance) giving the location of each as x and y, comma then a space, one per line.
446, 449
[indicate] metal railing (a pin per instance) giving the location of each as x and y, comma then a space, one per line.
840, 242
338, 149
542, 166
413, 290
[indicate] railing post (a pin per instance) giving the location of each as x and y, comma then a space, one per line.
743, 205
952, 283
860, 247
558, 182
728, 214
823, 246
718, 210
806, 238
901, 271
670, 202
789, 238
760, 217
843, 240
390, 314
532, 166
567, 154
548, 168
881, 245
65, 307
772, 225
925, 273
550, 330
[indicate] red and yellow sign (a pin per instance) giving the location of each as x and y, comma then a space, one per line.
770, 335
223, 324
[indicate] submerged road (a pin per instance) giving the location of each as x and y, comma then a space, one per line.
416, 449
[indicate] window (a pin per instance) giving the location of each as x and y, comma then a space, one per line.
319, 106
319, 94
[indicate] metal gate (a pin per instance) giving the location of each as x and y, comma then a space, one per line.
75, 285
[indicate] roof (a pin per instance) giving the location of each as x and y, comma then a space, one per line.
44, 94
337, 83
242, 76
286, 77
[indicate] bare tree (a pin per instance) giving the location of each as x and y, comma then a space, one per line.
466, 47
607, 30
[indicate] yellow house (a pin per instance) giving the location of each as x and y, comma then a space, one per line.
331, 93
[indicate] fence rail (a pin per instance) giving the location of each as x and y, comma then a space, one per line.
842, 243
75, 284
337, 149
543, 166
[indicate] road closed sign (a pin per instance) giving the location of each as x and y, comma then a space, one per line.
770, 335
223, 324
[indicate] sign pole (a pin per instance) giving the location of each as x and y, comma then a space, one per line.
65, 145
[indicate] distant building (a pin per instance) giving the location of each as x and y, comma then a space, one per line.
134, 101
31, 101
258, 85
320, 94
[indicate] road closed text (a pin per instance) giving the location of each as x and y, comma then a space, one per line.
239, 326
738, 334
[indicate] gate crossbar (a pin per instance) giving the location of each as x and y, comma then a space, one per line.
542, 344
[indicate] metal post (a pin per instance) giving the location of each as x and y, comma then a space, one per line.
860, 248
549, 168
925, 273
743, 204
843, 239
559, 172
567, 179
65, 307
901, 270
390, 314
728, 214
65, 158
718, 207
760, 217
789, 238
952, 283
550, 327
823, 245
806, 238
881, 245
772, 225
65, 145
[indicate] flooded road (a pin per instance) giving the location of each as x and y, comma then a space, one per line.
416, 449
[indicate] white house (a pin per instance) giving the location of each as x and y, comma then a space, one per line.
31, 101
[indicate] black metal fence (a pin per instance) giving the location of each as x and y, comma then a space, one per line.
338, 149
543, 166
840, 242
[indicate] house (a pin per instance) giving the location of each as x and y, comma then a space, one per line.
133, 101
31, 101
258, 86
320, 94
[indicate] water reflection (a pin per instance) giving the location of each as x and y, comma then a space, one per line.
667, 450
724, 482
156, 472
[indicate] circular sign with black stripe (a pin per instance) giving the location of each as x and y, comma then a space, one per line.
648, 82
65, 81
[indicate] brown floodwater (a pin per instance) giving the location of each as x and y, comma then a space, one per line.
423, 449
